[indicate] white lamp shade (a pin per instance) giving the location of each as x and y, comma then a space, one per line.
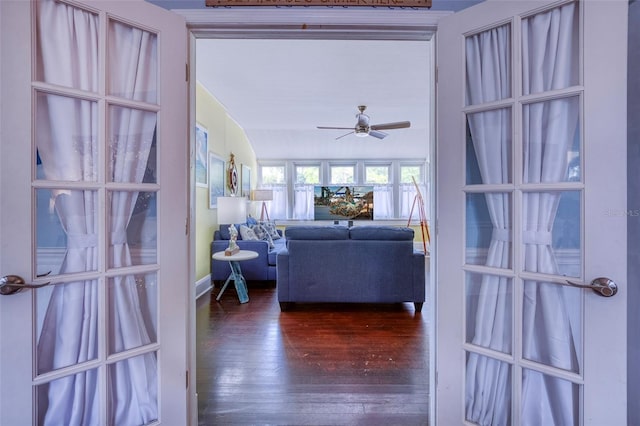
262, 195
232, 210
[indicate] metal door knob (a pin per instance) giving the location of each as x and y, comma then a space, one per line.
603, 286
10, 284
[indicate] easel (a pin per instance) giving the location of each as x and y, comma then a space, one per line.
424, 227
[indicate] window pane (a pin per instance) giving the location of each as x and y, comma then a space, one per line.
551, 139
562, 410
488, 229
51, 396
59, 61
132, 79
551, 232
376, 174
272, 175
489, 147
136, 377
489, 308
142, 317
342, 174
488, 63
487, 391
61, 325
408, 173
308, 174
66, 231
131, 137
551, 49
133, 228
69, 152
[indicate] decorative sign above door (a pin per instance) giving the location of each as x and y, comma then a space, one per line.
377, 3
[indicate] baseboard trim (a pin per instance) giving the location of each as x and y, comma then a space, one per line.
203, 285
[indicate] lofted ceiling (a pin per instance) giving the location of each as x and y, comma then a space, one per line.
280, 90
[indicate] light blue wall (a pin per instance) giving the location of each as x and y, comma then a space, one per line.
633, 222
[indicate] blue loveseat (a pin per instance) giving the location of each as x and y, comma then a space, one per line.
262, 268
361, 264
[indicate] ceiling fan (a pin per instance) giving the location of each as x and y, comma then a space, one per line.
363, 128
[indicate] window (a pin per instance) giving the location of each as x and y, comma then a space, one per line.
274, 177
394, 192
339, 174
305, 177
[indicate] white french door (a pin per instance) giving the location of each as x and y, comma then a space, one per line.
93, 201
531, 159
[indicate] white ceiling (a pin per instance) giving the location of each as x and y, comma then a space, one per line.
278, 91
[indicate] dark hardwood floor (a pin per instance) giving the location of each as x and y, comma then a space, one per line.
318, 364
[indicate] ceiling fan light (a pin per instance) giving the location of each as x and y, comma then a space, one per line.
362, 134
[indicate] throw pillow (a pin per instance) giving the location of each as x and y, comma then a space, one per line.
251, 220
247, 233
271, 229
262, 234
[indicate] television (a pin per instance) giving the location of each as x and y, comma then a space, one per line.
343, 203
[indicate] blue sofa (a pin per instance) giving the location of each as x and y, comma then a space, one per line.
262, 268
361, 264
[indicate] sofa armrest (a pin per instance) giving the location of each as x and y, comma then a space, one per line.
419, 283
282, 282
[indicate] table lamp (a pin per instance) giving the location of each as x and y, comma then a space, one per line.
262, 195
232, 210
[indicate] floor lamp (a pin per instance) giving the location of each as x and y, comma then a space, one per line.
262, 195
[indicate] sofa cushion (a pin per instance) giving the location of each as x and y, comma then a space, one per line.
224, 231
262, 234
270, 227
316, 232
247, 233
389, 233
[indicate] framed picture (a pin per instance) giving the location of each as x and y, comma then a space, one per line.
245, 190
216, 179
202, 151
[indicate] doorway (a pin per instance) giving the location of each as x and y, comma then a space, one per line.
357, 26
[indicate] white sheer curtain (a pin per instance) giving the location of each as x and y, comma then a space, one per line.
383, 202
488, 78
277, 206
407, 195
549, 41
303, 202
68, 48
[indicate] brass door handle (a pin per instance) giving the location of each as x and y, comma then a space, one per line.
10, 284
603, 286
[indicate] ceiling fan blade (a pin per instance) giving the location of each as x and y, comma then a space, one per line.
377, 134
335, 128
347, 134
388, 126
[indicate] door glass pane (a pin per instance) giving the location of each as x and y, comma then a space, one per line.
552, 325
134, 228
66, 231
66, 152
67, 46
548, 400
133, 391
488, 65
550, 49
487, 391
132, 59
551, 232
551, 141
489, 311
488, 229
133, 311
489, 147
132, 154
83, 411
67, 325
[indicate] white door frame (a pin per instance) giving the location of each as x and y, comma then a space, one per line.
382, 24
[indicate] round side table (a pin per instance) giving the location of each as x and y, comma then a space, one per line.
236, 273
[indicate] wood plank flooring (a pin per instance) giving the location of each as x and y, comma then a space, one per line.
318, 364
